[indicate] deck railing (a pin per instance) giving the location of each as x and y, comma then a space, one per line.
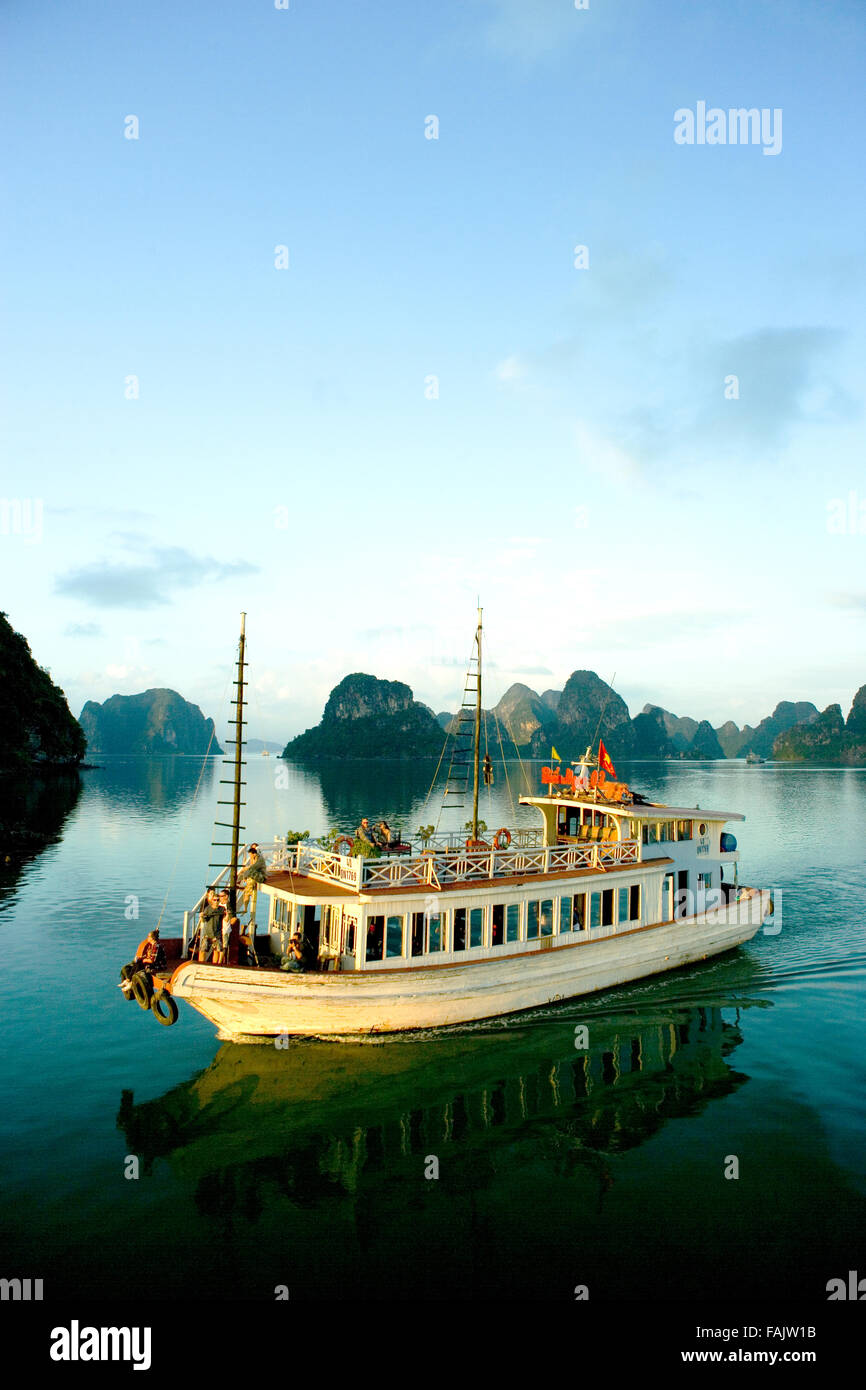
449, 863
446, 861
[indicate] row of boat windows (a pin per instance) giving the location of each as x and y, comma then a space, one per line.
465, 928
586, 824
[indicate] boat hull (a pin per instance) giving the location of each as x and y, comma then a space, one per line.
246, 1005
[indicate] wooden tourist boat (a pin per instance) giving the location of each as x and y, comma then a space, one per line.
607, 888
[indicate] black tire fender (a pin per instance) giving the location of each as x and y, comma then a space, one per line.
164, 1005
142, 988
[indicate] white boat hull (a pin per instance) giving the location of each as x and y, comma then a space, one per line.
247, 1004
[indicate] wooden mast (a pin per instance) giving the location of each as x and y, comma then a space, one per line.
477, 733
239, 735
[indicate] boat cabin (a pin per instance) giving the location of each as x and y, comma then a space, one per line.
594, 867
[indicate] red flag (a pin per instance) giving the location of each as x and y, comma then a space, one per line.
604, 761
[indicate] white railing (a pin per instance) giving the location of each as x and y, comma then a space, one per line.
450, 864
525, 836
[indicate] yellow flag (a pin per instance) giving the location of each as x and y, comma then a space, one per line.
555, 755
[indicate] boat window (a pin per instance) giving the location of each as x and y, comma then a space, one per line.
564, 915
531, 920
351, 926
459, 943
682, 898
572, 913
435, 931
512, 922
667, 898
476, 926
634, 902
569, 821
375, 938
497, 934
684, 830
547, 917
622, 906
634, 829
650, 834
282, 913
666, 831
594, 909
394, 937
417, 938
607, 907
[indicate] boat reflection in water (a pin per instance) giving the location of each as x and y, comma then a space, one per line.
328, 1146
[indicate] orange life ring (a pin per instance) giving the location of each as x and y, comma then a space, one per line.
343, 840
502, 838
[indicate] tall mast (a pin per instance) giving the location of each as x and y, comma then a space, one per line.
239, 744
477, 733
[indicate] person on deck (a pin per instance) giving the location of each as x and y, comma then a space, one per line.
365, 834
149, 956
248, 941
208, 924
229, 924
253, 873
299, 958
383, 831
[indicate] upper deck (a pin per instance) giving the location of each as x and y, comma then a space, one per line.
578, 834
442, 866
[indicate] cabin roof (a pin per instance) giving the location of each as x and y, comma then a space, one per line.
654, 810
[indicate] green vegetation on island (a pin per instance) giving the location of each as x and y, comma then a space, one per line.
828, 738
37, 729
370, 718
154, 722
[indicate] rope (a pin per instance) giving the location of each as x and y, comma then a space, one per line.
505, 767
436, 773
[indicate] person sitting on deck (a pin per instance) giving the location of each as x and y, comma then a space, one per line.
248, 941
365, 834
149, 956
383, 833
298, 958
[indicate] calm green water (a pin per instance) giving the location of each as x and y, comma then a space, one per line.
556, 1167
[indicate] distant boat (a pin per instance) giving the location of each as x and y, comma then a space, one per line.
608, 888
265, 753
753, 759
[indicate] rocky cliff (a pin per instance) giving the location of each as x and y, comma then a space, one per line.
522, 714
370, 718
761, 740
827, 737
155, 722
36, 726
588, 710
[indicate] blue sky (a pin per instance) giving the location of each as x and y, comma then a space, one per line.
581, 467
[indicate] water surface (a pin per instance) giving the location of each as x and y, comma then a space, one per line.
556, 1166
